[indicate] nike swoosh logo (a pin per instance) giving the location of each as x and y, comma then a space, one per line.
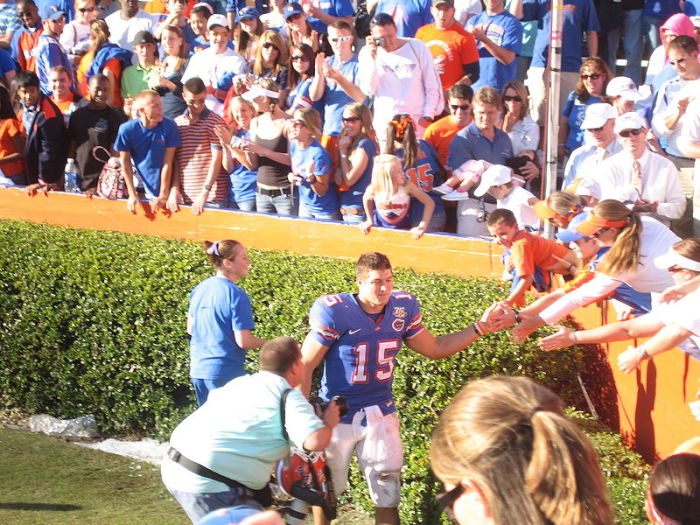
351, 332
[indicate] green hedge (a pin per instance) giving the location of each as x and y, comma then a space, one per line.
94, 322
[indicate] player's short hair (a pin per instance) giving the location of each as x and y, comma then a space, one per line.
684, 43
279, 355
371, 261
195, 85
501, 215
461, 91
487, 95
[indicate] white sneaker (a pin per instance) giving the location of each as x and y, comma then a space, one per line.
456, 196
443, 189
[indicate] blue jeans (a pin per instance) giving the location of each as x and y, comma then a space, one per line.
650, 29
243, 205
305, 213
202, 387
631, 32
198, 505
355, 218
281, 203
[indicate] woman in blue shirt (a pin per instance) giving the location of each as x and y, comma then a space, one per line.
594, 76
311, 167
220, 320
357, 147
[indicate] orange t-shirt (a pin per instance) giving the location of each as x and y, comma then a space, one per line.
530, 251
10, 128
440, 134
27, 46
451, 50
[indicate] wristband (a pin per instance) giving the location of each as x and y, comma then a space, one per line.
207, 187
478, 330
642, 352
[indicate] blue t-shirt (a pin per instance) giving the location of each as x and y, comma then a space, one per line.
217, 308
470, 144
409, 15
302, 159
579, 16
575, 111
426, 175
243, 180
504, 30
147, 148
300, 97
49, 54
6, 62
339, 8
334, 98
353, 197
359, 363
663, 9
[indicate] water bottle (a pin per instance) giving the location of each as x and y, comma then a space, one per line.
71, 178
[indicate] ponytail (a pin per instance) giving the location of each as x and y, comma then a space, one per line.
217, 251
625, 253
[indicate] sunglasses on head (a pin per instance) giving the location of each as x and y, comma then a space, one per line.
351, 119
512, 98
463, 107
446, 500
592, 76
630, 132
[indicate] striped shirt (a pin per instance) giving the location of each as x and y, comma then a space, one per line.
9, 23
193, 156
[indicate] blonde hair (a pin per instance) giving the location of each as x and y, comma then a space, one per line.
312, 120
689, 248
564, 203
533, 464
275, 39
624, 254
382, 181
270, 85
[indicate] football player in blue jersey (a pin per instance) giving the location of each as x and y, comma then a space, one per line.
357, 336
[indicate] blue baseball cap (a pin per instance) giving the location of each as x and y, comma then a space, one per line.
246, 13
571, 233
228, 515
291, 9
51, 11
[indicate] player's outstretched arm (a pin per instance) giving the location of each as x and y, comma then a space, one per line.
433, 347
312, 353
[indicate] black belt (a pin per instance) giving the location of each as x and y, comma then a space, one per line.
275, 193
262, 496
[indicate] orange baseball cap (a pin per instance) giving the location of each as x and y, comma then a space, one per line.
593, 224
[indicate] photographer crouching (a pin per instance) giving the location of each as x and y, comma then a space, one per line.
223, 454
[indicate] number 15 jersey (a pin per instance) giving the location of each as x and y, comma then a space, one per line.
359, 363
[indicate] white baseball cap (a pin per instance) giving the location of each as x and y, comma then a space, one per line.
623, 87
630, 120
597, 115
673, 258
493, 176
217, 20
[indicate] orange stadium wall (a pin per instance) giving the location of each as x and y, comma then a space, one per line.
648, 407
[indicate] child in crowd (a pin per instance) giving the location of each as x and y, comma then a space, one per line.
531, 256
497, 181
391, 192
457, 186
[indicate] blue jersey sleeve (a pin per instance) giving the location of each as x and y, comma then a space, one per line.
241, 311
323, 326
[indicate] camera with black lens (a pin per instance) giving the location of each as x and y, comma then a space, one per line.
320, 405
380, 42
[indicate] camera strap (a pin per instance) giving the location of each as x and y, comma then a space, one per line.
283, 411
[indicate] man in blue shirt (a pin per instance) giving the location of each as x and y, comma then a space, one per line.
150, 141
323, 13
357, 337
579, 17
499, 38
408, 15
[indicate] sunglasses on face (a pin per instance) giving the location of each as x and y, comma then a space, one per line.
446, 500
679, 61
296, 16
299, 57
340, 39
512, 98
630, 132
351, 119
268, 45
86, 9
599, 233
463, 107
298, 123
592, 76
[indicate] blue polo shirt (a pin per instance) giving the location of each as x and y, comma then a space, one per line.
301, 162
339, 8
506, 31
579, 16
147, 148
471, 144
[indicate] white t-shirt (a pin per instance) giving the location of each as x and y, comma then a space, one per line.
210, 67
122, 32
517, 202
686, 314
